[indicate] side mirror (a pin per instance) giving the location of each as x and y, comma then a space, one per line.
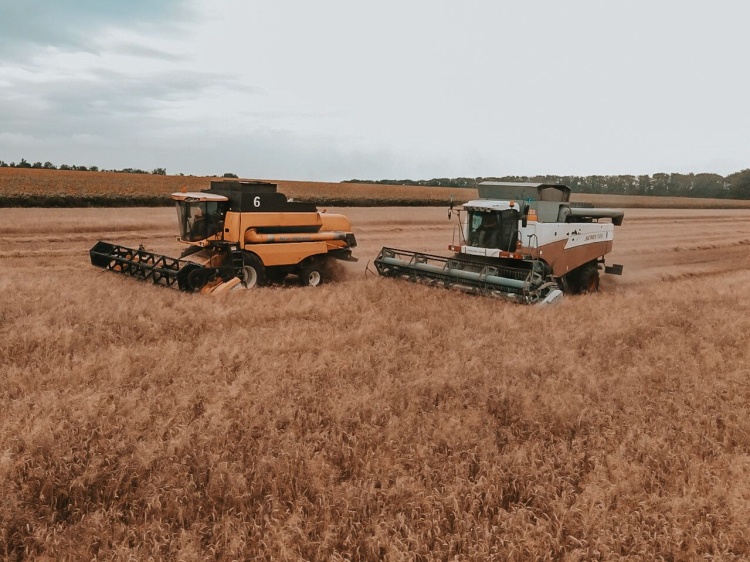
450, 210
525, 217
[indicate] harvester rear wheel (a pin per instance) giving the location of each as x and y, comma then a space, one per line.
583, 279
253, 271
588, 281
591, 280
311, 274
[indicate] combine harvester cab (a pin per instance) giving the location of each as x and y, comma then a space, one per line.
239, 234
521, 241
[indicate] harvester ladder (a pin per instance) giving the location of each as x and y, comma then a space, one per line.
237, 261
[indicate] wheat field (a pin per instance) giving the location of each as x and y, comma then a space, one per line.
49, 188
24, 183
372, 419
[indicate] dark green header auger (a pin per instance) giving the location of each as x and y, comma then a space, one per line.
523, 285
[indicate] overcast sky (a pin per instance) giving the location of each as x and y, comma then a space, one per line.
334, 90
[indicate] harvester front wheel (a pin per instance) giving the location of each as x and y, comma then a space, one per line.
253, 272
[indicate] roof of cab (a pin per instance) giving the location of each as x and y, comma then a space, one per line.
490, 205
195, 196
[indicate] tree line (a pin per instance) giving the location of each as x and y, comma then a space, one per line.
733, 186
50, 166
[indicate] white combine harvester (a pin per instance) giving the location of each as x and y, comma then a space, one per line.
522, 241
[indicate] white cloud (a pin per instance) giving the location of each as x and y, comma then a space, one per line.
336, 89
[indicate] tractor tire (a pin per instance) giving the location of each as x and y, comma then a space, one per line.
582, 280
311, 274
588, 279
253, 271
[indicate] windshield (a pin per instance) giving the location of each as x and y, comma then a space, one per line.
200, 220
494, 229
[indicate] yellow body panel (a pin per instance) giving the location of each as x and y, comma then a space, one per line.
240, 228
287, 244
335, 222
290, 253
260, 220
236, 223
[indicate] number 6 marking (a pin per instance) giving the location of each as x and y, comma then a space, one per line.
256, 202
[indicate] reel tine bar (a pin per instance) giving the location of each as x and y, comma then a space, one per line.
142, 264
482, 278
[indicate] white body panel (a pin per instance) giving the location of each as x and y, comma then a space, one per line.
537, 234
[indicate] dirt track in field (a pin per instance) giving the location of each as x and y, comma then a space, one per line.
654, 245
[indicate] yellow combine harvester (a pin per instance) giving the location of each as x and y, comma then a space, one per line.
240, 234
